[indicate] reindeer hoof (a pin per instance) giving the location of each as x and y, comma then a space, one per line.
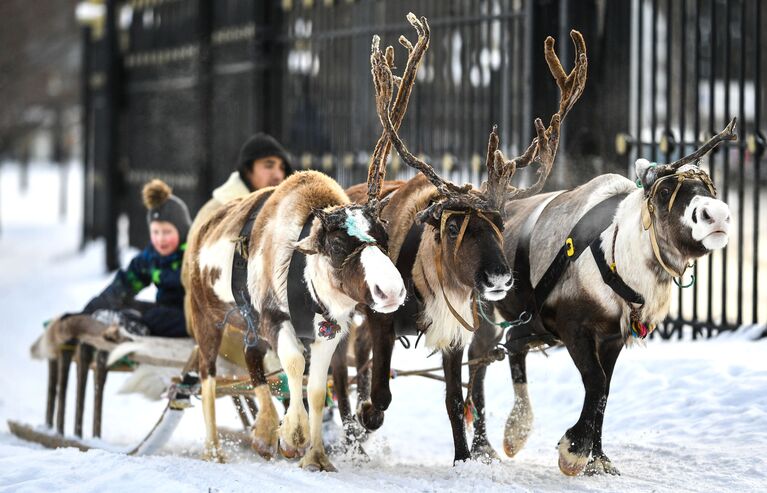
266, 447
370, 417
484, 453
214, 454
355, 431
317, 461
571, 461
287, 451
518, 427
601, 465
294, 432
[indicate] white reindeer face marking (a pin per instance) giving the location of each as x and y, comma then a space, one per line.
383, 279
709, 221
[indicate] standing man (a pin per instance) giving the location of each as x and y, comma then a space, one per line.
262, 162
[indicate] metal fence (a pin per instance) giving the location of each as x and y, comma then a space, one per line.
697, 63
185, 82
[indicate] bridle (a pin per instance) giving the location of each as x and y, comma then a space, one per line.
467, 214
358, 251
648, 209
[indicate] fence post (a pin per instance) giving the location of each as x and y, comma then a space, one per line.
111, 91
205, 88
85, 135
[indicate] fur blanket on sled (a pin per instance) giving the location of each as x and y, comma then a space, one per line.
158, 359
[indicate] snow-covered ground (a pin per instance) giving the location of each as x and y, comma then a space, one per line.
682, 416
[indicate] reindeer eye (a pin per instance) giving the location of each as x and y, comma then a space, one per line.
336, 247
664, 193
452, 230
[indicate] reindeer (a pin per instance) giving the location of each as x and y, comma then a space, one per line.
459, 257
345, 267
634, 242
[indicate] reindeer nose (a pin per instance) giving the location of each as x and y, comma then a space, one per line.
706, 216
498, 278
390, 296
715, 214
379, 292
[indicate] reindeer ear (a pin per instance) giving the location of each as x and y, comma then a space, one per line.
429, 216
307, 246
646, 172
321, 215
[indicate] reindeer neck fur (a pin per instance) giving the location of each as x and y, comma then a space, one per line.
326, 293
443, 330
636, 263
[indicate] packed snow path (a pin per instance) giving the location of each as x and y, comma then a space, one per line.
682, 416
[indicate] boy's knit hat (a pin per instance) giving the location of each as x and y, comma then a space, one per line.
162, 205
259, 146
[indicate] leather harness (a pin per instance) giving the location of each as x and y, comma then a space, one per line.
529, 329
240, 275
301, 305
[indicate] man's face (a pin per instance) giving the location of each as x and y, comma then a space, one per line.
164, 237
266, 172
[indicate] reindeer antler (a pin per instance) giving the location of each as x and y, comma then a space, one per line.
543, 148
383, 81
377, 169
727, 134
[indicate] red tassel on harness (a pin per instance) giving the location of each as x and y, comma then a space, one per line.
469, 412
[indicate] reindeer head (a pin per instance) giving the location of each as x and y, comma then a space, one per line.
351, 242
468, 223
681, 209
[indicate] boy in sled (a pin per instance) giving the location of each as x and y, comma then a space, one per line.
159, 264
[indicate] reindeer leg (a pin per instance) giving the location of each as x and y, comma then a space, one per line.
65, 360
50, 405
341, 380
371, 413
362, 348
84, 359
600, 463
484, 341
294, 431
266, 425
363, 345
322, 352
209, 342
451, 363
575, 446
520, 420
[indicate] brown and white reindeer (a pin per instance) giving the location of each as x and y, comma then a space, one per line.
458, 255
594, 270
345, 267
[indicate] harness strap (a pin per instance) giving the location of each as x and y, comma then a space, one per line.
612, 278
586, 230
240, 275
301, 305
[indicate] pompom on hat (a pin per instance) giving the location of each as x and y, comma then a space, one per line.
162, 205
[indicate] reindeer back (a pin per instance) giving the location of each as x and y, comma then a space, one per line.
557, 219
